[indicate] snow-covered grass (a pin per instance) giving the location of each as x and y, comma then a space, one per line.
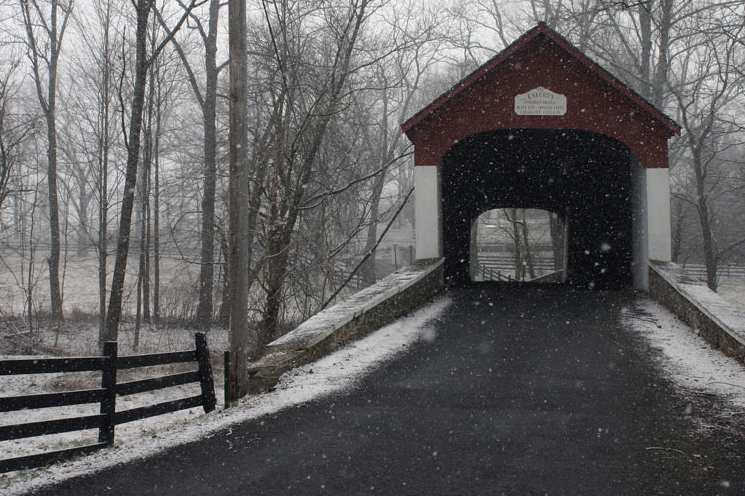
332, 374
732, 289
79, 278
178, 297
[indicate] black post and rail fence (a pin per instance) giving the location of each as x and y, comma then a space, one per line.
108, 418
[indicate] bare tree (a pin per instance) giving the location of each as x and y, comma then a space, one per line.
90, 131
18, 188
645, 34
518, 232
27, 182
296, 149
13, 132
143, 59
205, 92
305, 59
396, 78
706, 84
45, 22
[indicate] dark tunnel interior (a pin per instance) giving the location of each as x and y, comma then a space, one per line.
584, 176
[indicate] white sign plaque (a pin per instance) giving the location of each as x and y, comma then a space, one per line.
540, 101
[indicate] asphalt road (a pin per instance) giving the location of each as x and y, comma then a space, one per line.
519, 391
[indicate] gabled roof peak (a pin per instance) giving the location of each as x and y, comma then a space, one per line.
542, 30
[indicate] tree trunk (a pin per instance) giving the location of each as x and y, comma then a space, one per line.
103, 149
528, 258
151, 151
130, 183
82, 230
156, 227
278, 250
55, 244
223, 316
704, 216
517, 244
660, 75
678, 223
205, 310
367, 271
46, 51
556, 226
645, 25
103, 238
142, 273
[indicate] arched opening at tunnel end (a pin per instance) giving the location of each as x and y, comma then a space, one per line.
518, 244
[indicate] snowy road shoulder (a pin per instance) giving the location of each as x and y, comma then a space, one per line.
334, 373
689, 360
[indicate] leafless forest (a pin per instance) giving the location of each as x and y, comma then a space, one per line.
114, 150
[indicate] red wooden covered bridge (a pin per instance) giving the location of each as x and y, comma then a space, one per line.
543, 126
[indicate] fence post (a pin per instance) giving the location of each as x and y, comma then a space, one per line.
108, 384
205, 373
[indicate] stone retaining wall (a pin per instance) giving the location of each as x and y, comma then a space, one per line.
718, 321
398, 294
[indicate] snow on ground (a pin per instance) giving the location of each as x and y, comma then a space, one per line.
689, 360
80, 284
732, 289
686, 357
332, 374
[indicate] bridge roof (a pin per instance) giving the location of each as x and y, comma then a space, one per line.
541, 57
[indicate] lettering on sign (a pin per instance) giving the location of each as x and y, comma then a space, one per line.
540, 101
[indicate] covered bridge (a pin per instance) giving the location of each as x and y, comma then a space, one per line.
543, 126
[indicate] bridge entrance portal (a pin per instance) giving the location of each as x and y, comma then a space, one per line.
541, 126
583, 178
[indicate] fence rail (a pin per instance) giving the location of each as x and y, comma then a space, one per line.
505, 263
106, 395
699, 270
489, 273
357, 282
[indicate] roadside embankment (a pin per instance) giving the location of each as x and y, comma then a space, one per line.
398, 294
716, 320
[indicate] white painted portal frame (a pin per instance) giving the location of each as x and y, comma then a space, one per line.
427, 215
650, 203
